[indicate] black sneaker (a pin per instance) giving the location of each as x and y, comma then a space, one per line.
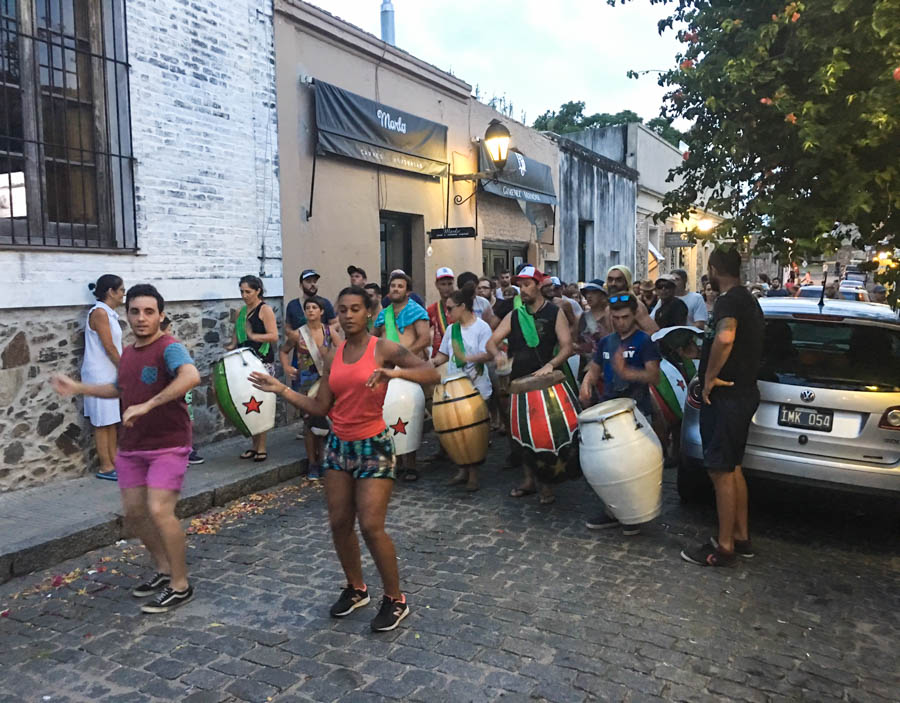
350, 600
389, 616
168, 599
743, 548
195, 458
602, 521
631, 530
148, 588
707, 555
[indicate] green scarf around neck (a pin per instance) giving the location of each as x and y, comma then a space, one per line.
459, 346
390, 324
526, 322
240, 331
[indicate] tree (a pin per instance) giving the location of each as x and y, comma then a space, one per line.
571, 118
795, 112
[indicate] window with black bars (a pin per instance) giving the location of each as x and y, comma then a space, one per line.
66, 165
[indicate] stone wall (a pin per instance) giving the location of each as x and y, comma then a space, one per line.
45, 437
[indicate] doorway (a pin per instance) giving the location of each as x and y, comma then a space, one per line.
499, 257
396, 244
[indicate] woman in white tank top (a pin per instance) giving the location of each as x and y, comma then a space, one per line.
102, 349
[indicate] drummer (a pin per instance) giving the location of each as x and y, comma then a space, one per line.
539, 343
359, 461
464, 346
629, 363
405, 322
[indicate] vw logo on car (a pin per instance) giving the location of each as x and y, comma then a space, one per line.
807, 396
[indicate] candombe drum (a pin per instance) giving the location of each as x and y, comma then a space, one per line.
250, 410
622, 460
404, 414
461, 419
543, 418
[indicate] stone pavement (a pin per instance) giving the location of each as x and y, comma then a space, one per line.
509, 600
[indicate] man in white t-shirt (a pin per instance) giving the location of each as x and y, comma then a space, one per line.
505, 278
698, 315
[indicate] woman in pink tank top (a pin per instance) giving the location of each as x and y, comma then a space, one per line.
359, 452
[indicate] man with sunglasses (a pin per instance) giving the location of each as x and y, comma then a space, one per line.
619, 280
629, 363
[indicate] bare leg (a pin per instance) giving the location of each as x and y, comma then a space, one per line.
742, 519
137, 518
105, 441
259, 443
529, 483
726, 506
472, 483
372, 496
309, 441
161, 504
339, 491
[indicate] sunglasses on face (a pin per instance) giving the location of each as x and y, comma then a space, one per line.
625, 297
450, 308
665, 285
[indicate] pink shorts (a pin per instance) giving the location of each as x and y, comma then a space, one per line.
154, 468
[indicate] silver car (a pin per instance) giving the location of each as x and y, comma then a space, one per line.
830, 400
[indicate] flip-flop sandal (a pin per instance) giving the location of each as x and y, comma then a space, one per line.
521, 492
547, 500
261, 456
410, 475
249, 454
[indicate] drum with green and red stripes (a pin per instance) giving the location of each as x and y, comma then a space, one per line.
544, 422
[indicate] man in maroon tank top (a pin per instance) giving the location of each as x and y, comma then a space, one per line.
154, 375
359, 461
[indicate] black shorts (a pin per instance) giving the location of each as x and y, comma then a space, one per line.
724, 426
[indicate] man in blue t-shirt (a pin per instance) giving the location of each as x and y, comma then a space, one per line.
294, 317
629, 363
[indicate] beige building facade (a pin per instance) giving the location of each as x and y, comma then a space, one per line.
372, 206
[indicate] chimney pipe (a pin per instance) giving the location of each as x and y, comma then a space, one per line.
387, 22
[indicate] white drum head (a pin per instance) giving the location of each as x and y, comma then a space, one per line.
606, 410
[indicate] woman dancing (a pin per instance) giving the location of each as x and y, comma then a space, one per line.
359, 454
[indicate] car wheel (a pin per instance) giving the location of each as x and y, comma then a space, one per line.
693, 484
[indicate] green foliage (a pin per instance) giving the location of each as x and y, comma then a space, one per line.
571, 118
795, 112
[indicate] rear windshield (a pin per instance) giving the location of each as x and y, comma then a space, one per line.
807, 292
831, 355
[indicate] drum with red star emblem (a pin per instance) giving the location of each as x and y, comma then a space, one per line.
250, 410
404, 414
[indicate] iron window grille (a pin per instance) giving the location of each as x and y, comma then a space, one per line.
66, 163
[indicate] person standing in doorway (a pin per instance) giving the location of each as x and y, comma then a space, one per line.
256, 329
102, 351
359, 461
154, 375
729, 365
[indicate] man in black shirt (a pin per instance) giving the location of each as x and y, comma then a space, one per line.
729, 366
554, 346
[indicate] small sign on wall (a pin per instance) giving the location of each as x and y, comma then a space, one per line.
677, 239
452, 233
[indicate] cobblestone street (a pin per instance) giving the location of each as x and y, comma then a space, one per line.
509, 600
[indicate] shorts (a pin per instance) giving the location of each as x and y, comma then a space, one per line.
724, 426
362, 458
155, 468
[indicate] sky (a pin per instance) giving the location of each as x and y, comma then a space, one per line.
539, 54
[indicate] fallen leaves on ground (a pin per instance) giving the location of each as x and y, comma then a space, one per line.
255, 504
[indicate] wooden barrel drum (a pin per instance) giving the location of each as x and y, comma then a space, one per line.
461, 419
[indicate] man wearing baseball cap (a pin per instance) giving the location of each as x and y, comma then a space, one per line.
357, 276
539, 342
444, 281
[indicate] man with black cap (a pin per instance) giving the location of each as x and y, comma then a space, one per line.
358, 276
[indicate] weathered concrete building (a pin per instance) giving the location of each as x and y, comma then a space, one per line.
596, 212
153, 155
652, 157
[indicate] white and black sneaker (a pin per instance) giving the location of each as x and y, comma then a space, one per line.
391, 613
350, 599
148, 588
168, 599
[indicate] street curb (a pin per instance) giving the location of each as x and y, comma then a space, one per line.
107, 528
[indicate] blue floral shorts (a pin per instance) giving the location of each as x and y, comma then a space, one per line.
362, 458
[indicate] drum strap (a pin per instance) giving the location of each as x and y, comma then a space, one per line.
390, 324
442, 318
526, 323
240, 332
459, 348
313, 349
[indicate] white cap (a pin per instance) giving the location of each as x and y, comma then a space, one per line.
444, 272
555, 280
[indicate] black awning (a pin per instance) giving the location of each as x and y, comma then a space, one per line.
356, 127
522, 179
